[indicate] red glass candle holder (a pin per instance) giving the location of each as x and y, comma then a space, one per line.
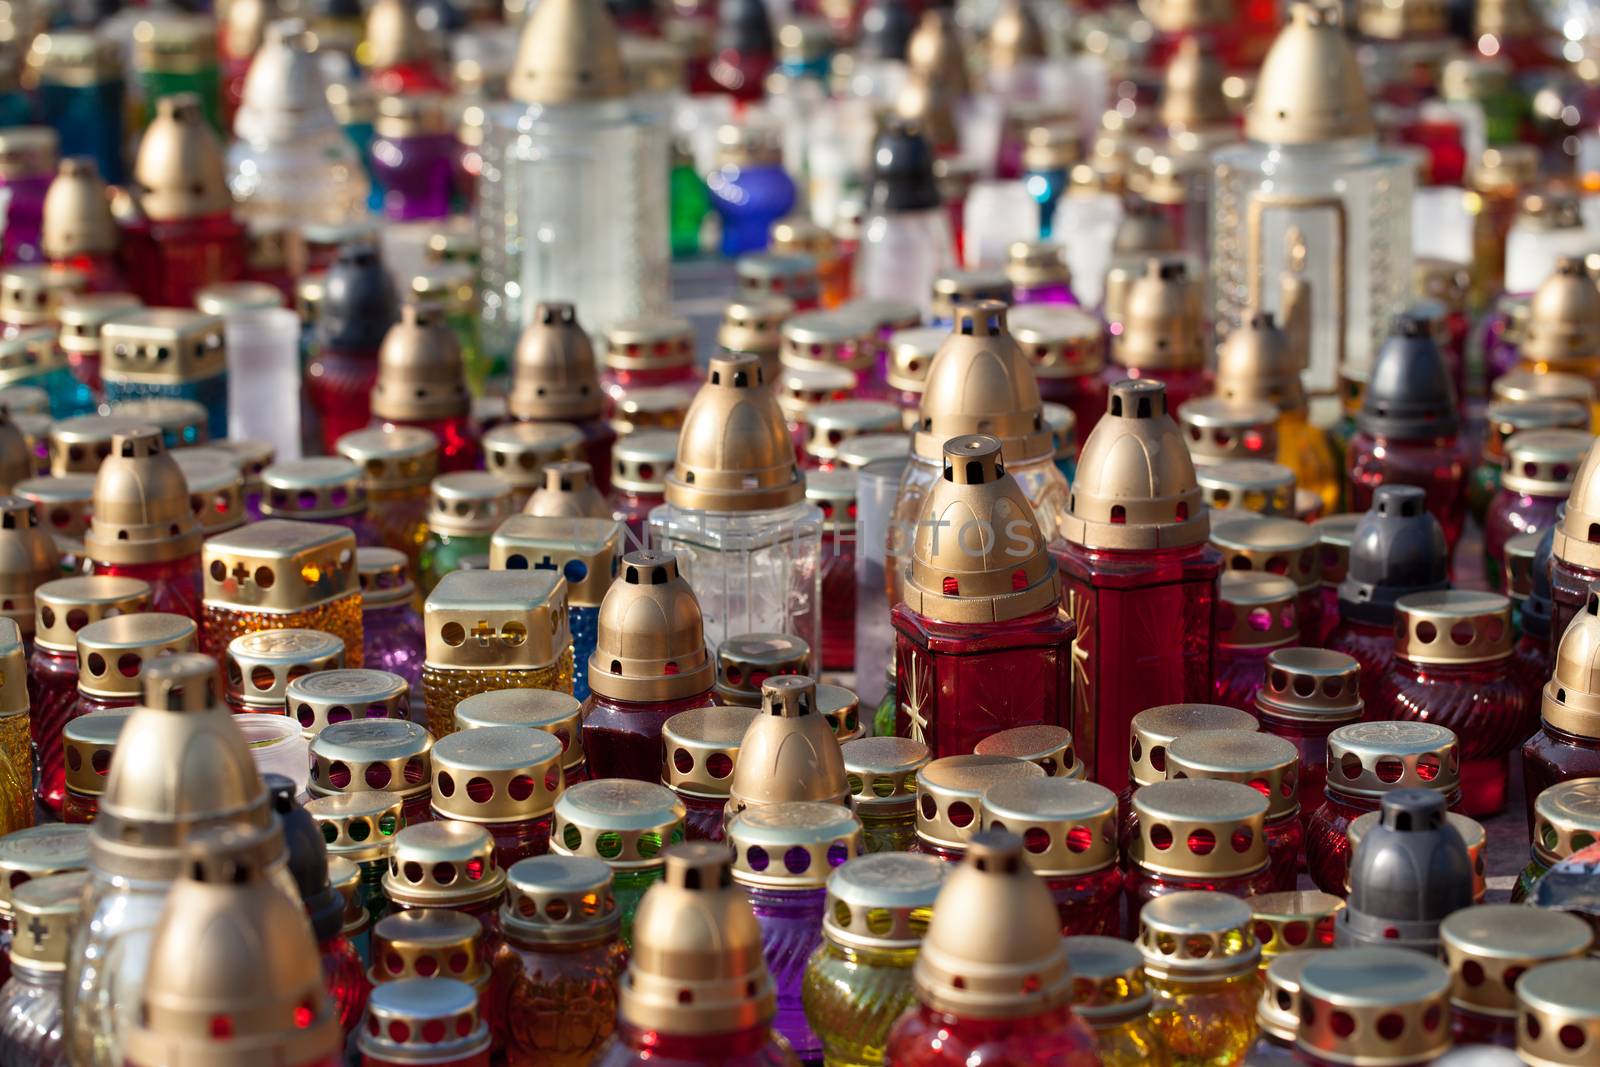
1154, 730
504, 779
1487, 948
1069, 838
387, 754
1534, 483
699, 748
949, 798
424, 1021
1269, 765
1256, 615
1306, 694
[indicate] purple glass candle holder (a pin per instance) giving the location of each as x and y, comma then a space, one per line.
415, 157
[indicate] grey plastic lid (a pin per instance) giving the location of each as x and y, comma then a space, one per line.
1538, 605
308, 858
886, 27
744, 26
1397, 548
1408, 873
1409, 393
359, 302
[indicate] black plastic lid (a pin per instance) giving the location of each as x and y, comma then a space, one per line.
1538, 605
1398, 548
1408, 873
308, 859
440, 16
886, 27
744, 26
1409, 394
358, 302
902, 170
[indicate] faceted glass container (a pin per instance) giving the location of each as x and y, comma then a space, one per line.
555, 1003
175, 585
1206, 1022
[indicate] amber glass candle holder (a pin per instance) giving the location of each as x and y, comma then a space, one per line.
1111, 993
882, 773
1201, 959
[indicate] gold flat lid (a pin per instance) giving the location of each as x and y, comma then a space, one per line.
468, 503
1309, 89
559, 900
883, 900
622, 822
1566, 818
36, 852
830, 425
700, 748
1294, 921
640, 461
752, 324
1265, 762
993, 949
980, 382
322, 698
30, 295
1334, 535
746, 661
496, 774
1311, 684
182, 421
1488, 946
656, 343
89, 742
734, 451
425, 942
280, 566
1067, 827
1196, 827
583, 549
394, 457
384, 575
259, 666
477, 620
358, 826
78, 445
792, 846
1217, 430
114, 652
1452, 626
1370, 759
1257, 486
1153, 729
67, 605
1059, 340
518, 452
1518, 386
557, 714
954, 287
48, 911
1390, 994
662, 407
1558, 1014
1508, 418
882, 771
216, 488
1194, 935
442, 864
1264, 543
950, 793
368, 754
1256, 611
1518, 561
1543, 462
834, 493
790, 274
1109, 987
799, 388
1278, 1011
415, 1020
1048, 745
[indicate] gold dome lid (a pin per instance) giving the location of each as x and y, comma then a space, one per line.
1059, 340
568, 492
497, 774
700, 748
115, 652
468, 503
1309, 90
358, 826
568, 53
1267, 544
423, 1020
1558, 1014
78, 445
255, 997
790, 752
958, 578
77, 213
28, 559
883, 900
981, 383
141, 503
882, 771
650, 344
1217, 430
1566, 819
1256, 611
446, 863
559, 900
1257, 486
179, 171
1153, 729
1508, 418
1563, 325
1136, 486
1572, 542
697, 965
557, 714
1197, 936
394, 457
277, 566
181, 764
1199, 828
1014, 37
1452, 626
1369, 759
641, 460
1161, 321
583, 549
1542, 462
625, 823
936, 49
384, 576
259, 666
1191, 89
1264, 762
1294, 921
1472, 834
1311, 685
1488, 946
993, 949
518, 452
806, 839
371, 754
327, 696
950, 792
753, 324
36, 852
554, 374
1046, 744
427, 942
1363, 1006
1256, 363
89, 741
1068, 827
734, 451
420, 373
650, 641
746, 661
47, 912
1109, 987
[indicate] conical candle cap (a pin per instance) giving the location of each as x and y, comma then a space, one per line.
554, 375
1310, 89
1191, 93
77, 213
1257, 363
734, 450
981, 382
1563, 324
650, 644
179, 172
568, 53
420, 373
